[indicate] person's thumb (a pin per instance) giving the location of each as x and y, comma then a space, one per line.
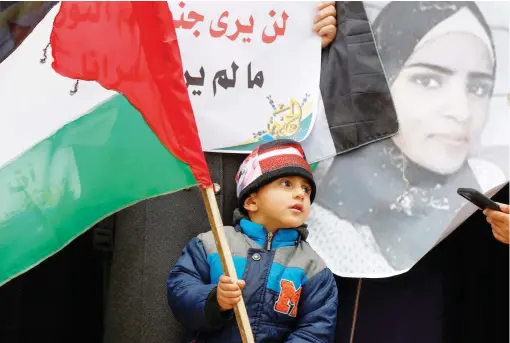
504, 207
241, 283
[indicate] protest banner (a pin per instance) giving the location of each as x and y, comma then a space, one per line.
252, 71
381, 208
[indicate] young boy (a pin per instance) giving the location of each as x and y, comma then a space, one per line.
289, 293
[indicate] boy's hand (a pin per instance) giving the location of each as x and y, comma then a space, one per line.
324, 23
499, 222
228, 294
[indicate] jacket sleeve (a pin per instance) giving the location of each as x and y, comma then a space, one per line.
317, 310
190, 295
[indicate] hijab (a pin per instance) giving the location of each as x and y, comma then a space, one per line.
404, 26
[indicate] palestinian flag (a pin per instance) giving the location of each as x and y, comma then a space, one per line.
67, 162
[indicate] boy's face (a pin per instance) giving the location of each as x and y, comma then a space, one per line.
283, 203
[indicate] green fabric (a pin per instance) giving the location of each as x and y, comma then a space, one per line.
92, 167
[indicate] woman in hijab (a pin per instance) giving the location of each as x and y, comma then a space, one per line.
390, 201
381, 208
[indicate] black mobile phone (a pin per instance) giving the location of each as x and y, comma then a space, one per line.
478, 199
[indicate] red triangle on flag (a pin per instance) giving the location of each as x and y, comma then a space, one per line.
131, 47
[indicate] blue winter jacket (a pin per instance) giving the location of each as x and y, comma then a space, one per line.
290, 295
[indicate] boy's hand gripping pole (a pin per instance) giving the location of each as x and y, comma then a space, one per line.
213, 213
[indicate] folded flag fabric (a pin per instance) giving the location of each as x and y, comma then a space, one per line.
63, 171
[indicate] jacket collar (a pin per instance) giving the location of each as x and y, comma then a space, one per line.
283, 237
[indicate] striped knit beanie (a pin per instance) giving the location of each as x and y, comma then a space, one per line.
271, 161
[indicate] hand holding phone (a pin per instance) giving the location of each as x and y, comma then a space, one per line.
478, 199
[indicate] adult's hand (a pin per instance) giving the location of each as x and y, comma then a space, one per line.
499, 222
324, 23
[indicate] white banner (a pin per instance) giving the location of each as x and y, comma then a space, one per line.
252, 70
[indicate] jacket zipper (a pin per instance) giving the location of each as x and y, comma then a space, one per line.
269, 241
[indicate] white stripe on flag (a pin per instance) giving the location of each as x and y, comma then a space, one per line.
35, 99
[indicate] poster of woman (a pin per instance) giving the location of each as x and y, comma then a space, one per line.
381, 208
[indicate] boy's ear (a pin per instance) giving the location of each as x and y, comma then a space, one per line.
250, 203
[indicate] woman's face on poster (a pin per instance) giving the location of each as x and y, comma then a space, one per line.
442, 97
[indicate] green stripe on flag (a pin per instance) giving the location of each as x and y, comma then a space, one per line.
92, 167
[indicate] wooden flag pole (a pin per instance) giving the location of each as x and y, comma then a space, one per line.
213, 213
